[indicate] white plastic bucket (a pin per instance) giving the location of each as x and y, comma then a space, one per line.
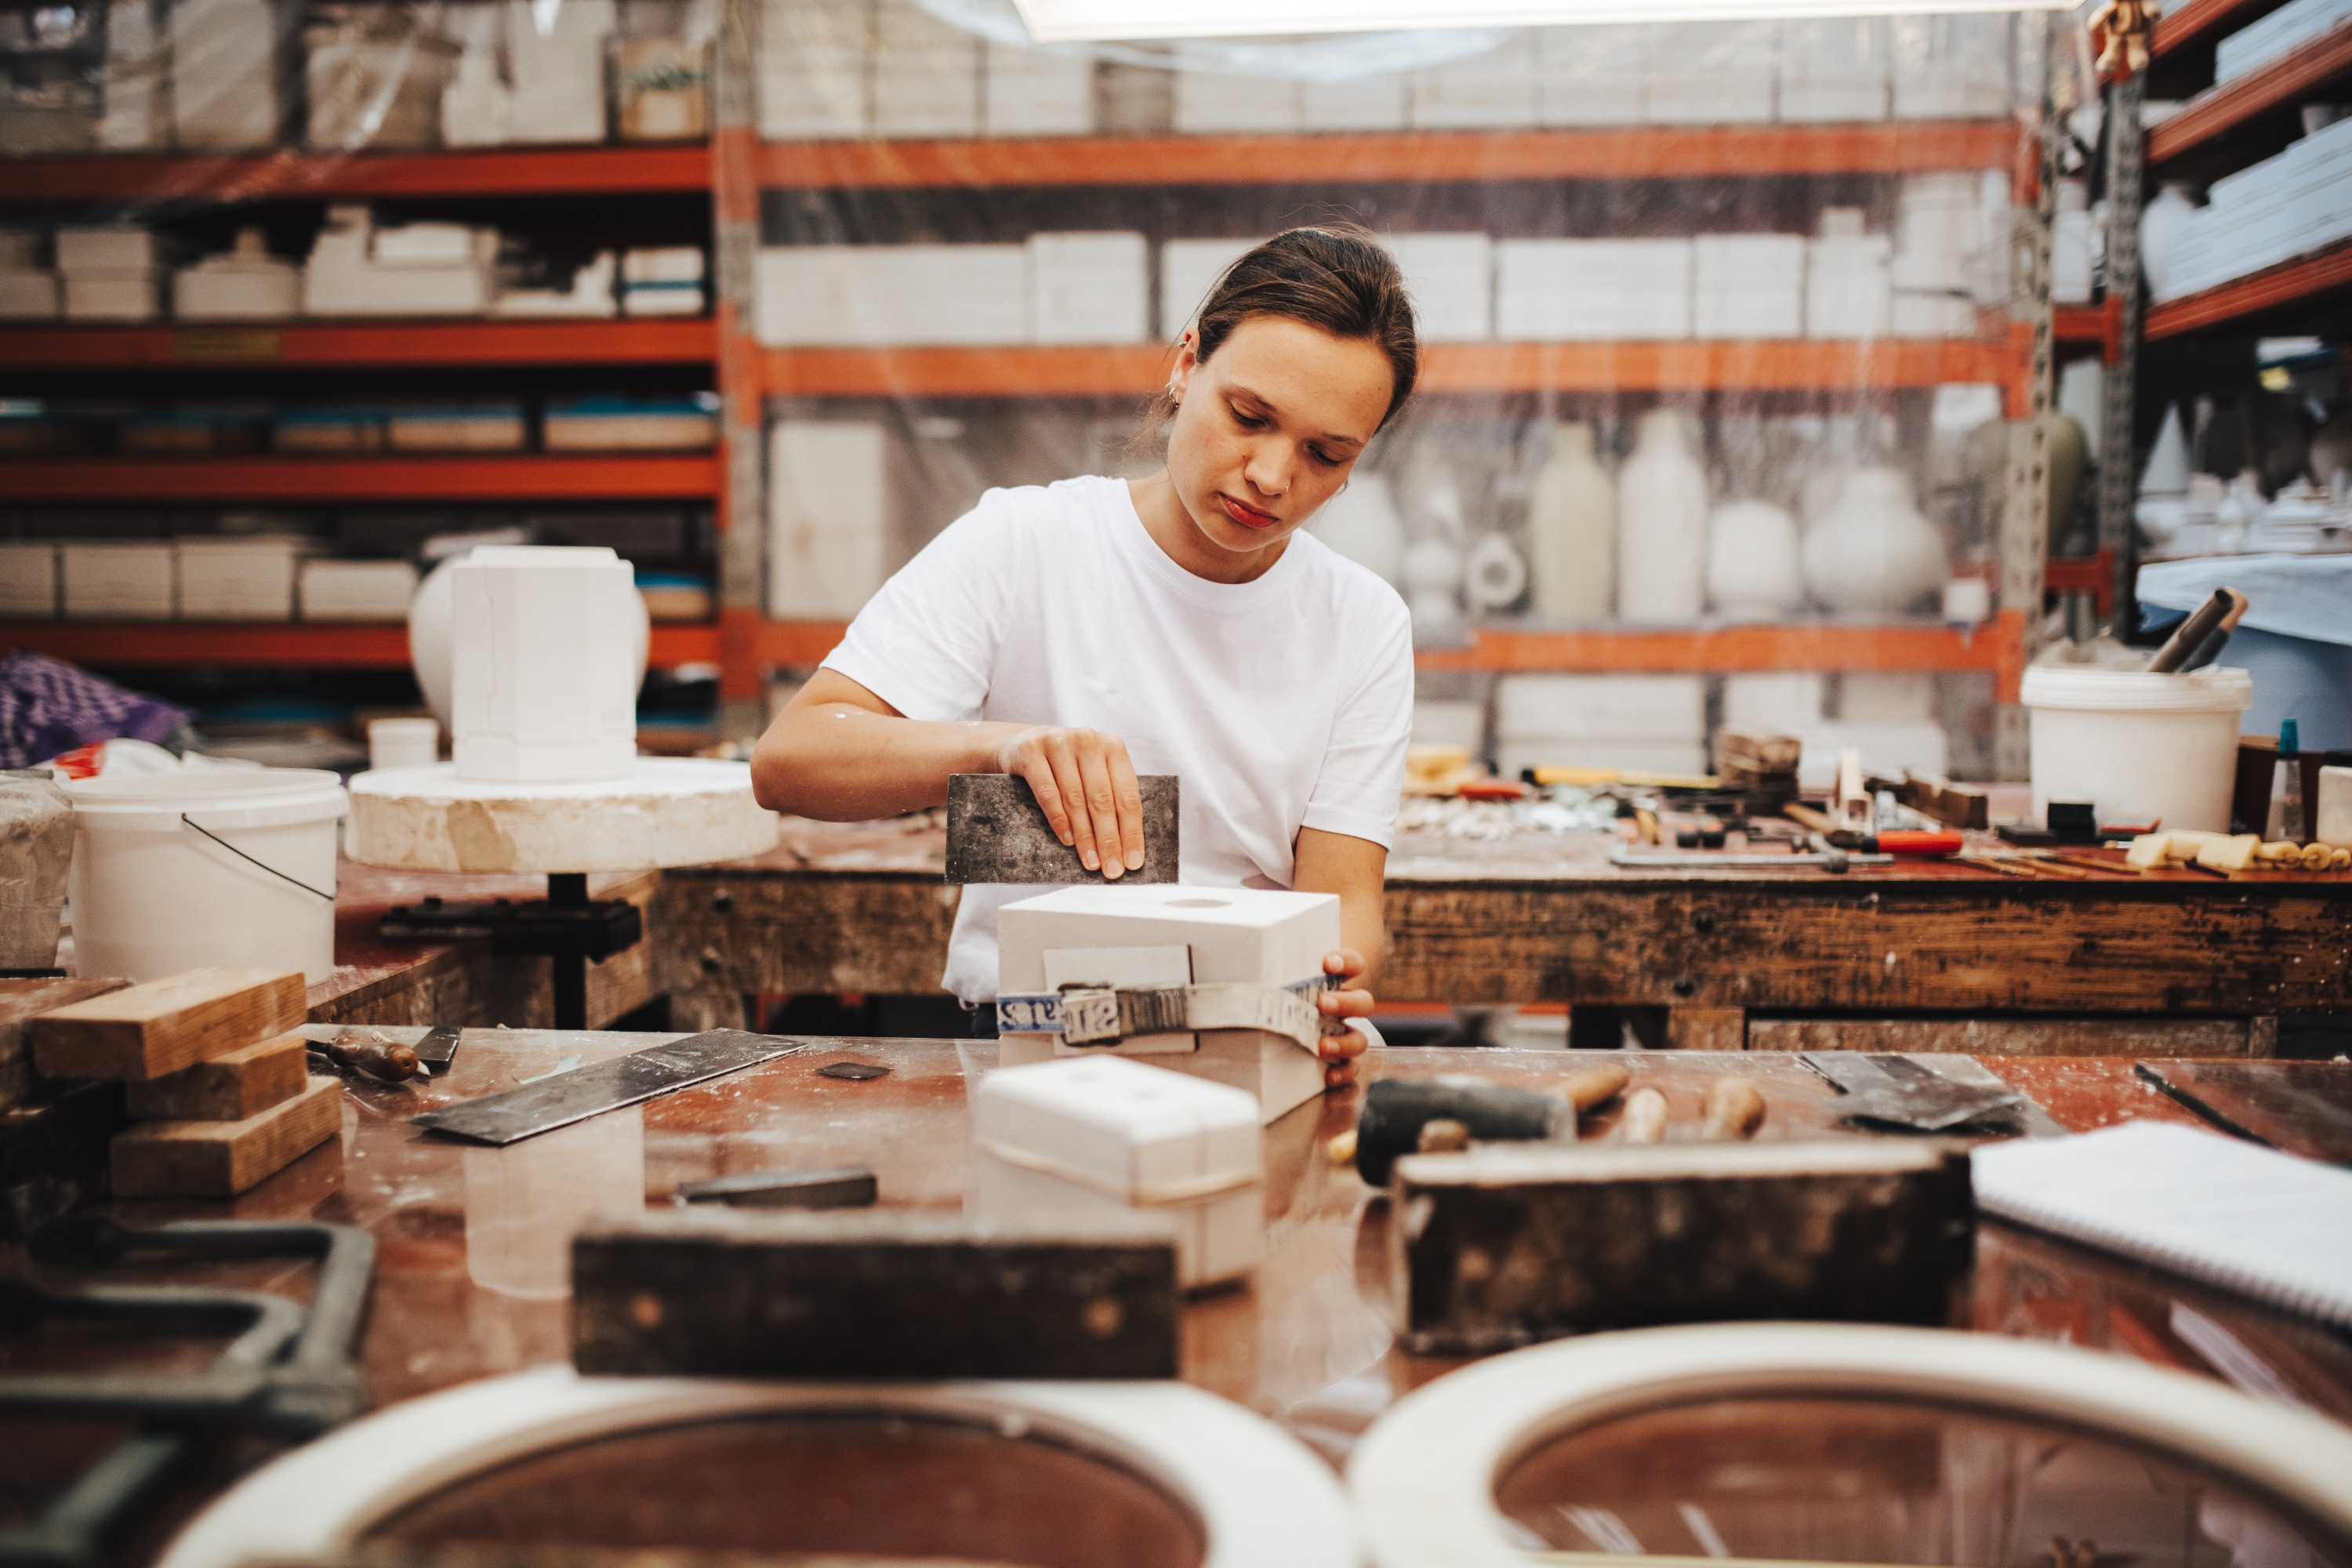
152, 895
2138, 747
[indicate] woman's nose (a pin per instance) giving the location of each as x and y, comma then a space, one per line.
1268, 470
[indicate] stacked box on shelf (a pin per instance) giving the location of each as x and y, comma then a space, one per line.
1452, 279
372, 79
2276, 36
1835, 70
28, 581
356, 590
1089, 288
629, 424
30, 289
2268, 213
882, 295
117, 580
458, 428
557, 68
1748, 286
814, 76
1652, 723
828, 517
926, 74
238, 579
1028, 92
133, 120
111, 274
1559, 290
662, 280
225, 68
1710, 73
1373, 101
1212, 100
1590, 76
1494, 90
1951, 67
1188, 269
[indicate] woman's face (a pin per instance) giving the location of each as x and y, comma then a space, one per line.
1268, 427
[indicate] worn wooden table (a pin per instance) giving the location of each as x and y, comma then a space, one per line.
1765, 959
472, 1242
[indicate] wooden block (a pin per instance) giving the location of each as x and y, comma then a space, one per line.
1505, 1245
228, 1087
735, 1293
146, 1031
1706, 1028
222, 1159
22, 1001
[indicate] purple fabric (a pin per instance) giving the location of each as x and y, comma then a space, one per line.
47, 706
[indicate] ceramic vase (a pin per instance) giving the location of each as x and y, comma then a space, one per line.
1433, 588
1572, 529
2166, 473
1873, 553
1753, 570
1361, 524
2161, 227
1661, 524
1493, 573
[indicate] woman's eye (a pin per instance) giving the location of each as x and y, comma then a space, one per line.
1249, 421
1326, 458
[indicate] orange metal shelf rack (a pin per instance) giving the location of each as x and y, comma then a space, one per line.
298, 344
322, 645
2306, 277
294, 176
2276, 88
420, 476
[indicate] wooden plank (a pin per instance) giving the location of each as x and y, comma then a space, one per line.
1706, 1029
229, 1087
148, 1030
1513, 1243
1982, 1036
880, 1295
22, 1001
1876, 946
222, 1159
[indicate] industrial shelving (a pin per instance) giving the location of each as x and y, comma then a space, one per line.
329, 344
2233, 123
276, 645
417, 476
2305, 281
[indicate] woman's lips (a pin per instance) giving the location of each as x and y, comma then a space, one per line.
1246, 515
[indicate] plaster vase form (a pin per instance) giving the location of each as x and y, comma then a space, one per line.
1873, 552
1361, 524
1432, 587
1494, 573
2166, 473
2161, 227
1662, 506
1754, 566
1572, 529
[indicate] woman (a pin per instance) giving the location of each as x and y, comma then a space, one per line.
1080, 633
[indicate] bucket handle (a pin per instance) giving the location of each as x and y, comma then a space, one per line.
265, 866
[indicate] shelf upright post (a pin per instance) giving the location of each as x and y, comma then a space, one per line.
735, 249
2119, 458
2024, 518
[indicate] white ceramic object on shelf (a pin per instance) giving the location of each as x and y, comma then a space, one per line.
1425, 1478
1260, 1498
1572, 529
1361, 524
245, 283
2166, 473
1494, 573
1873, 552
2161, 227
1662, 506
1432, 587
1754, 570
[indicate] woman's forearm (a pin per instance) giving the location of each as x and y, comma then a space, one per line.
840, 763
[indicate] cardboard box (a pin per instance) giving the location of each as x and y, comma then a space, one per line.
118, 580
237, 579
357, 590
1089, 288
28, 581
883, 295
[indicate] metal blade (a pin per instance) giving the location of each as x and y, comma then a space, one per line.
1891, 1088
542, 1107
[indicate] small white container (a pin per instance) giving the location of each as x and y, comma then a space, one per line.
1089, 1134
1166, 934
357, 590
233, 867
2138, 747
2332, 821
403, 742
544, 681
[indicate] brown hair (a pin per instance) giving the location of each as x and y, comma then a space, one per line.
1335, 277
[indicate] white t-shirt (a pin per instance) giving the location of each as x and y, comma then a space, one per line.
1281, 703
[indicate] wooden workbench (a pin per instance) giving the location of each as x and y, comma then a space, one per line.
471, 1241
1738, 957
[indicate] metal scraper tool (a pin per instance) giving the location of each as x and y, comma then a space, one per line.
545, 1104
997, 833
1893, 1089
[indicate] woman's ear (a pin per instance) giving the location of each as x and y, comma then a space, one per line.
1187, 356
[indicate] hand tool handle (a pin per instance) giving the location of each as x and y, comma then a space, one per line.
1735, 1110
2222, 610
1645, 1120
1394, 1111
1595, 1085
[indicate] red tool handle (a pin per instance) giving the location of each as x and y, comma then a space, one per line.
1903, 841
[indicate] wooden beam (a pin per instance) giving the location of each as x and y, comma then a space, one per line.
230, 1087
222, 1159
148, 1030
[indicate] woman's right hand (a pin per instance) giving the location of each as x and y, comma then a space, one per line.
1087, 784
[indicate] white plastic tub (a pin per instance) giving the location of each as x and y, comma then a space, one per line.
2138, 747
153, 895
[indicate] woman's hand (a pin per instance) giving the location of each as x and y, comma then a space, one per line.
1342, 1045
1085, 782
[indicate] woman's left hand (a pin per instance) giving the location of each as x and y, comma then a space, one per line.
1342, 1045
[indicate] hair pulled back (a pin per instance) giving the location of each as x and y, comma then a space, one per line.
1334, 277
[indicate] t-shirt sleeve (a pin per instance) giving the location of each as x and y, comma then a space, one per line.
927, 643
1362, 779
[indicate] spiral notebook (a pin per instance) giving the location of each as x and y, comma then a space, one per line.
2218, 1209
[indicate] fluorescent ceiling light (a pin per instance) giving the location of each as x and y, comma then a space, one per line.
1081, 21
